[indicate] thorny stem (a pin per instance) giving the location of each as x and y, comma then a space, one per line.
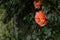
57, 10
53, 5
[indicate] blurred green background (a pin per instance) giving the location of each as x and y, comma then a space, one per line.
17, 20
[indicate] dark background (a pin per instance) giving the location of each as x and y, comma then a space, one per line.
17, 20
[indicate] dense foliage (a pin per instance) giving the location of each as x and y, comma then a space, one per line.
17, 20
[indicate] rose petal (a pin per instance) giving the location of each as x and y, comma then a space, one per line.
40, 18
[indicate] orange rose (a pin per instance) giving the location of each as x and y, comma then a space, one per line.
40, 18
37, 4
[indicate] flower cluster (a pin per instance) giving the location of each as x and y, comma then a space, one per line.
40, 17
